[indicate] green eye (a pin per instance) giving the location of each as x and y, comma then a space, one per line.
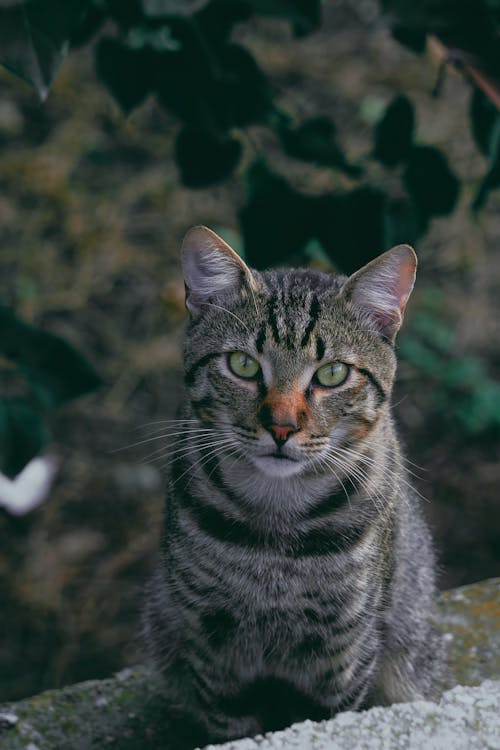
332, 374
243, 365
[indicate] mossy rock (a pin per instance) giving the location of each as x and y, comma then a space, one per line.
127, 712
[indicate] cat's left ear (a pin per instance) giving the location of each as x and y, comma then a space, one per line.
381, 288
210, 268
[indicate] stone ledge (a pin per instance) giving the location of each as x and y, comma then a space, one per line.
466, 718
127, 712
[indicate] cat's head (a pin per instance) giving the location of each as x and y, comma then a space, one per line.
290, 364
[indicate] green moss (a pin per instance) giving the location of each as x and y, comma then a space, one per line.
127, 712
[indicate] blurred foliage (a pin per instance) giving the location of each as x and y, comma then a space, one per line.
462, 391
183, 53
38, 372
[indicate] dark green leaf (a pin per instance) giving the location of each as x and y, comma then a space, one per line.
350, 226
158, 8
34, 37
55, 371
215, 92
126, 72
483, 118
401, 224
219, 17
23, 434
430, 183
314, 140
394, 132
276, 220
204, 158
491, 180
412, 38
304, 15
466, 25
93, 19
126, 13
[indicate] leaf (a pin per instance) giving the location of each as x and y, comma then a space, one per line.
23, 434
466, 25
483, 118
304, 15
430, 183
401, 222
213, 92
491, 180
314, 141
276, 221
394, 133
34, 37
204, 158
411, 38
219, 17
92, 21
350, 226
55, 371
245, 89
126, 72
126, 13
158, 8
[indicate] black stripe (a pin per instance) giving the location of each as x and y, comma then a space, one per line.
328, 539
261, 338
311, 644
218, 627
334, 501
320, 347
191, 373
214, 522
373, 380
273, 321
314, 311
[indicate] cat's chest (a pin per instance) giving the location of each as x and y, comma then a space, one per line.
267, 580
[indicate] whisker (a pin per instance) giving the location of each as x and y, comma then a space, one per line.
329, 465
216, 450
186, 439
163, 421
389, 472
219, 307
163, 435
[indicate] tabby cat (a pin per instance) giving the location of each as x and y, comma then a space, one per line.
296, 572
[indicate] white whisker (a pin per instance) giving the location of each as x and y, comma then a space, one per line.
219, 307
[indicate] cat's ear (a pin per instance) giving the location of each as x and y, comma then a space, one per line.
210, 268
382, 287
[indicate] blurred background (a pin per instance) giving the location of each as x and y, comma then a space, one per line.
318, 133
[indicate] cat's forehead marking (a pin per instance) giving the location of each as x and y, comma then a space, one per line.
291, 314
280, 369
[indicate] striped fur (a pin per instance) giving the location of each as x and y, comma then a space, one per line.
295, 579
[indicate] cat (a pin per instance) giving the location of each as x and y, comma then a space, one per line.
296, 572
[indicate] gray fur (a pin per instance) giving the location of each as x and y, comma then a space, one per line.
295, 592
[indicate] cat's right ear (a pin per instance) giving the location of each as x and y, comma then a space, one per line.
210, 268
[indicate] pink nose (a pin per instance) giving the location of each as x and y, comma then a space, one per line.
281, 432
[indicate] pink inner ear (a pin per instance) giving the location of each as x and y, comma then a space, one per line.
383, 286
387, 319
404, 283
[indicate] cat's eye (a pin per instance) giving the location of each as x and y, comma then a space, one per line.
243, 365
332, 374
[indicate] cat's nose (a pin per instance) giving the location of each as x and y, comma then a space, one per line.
281, 432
